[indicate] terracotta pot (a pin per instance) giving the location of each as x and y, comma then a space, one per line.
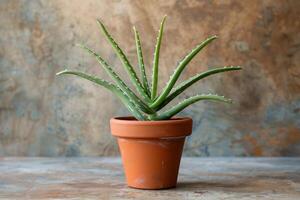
151, 150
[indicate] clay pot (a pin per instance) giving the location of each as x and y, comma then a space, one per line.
151, 150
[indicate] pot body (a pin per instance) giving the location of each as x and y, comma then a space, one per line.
151, 150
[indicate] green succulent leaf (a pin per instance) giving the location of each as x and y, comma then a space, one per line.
156, 59
141, 61
146, 106
132, 74
111, 87
185, 84
187, 102
181, 66
119, 81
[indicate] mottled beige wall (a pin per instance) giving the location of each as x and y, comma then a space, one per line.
41, 115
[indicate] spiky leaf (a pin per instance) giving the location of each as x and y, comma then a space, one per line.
119, 81
185, 84
141, 61
111, 87
133, 77
156, 60
182, 105
178, 71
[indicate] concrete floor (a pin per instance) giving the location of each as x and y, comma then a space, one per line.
103, 178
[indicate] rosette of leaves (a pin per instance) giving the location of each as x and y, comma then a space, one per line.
145, 103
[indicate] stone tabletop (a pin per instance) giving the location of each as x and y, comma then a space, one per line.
103, 178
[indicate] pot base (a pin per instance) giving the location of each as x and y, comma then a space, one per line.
166, 188
151, 163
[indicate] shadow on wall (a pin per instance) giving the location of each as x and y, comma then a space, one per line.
44, 116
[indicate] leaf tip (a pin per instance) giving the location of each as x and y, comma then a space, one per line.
61, 72
135, 31
98, 21
78, 44
163, 20
101, 25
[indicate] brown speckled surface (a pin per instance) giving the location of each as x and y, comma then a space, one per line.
102, 178
41, 115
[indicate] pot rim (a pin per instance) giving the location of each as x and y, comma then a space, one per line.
129, 127
131, 120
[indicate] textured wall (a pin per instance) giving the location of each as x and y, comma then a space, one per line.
48, 116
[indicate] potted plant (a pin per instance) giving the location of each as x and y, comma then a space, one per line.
151, 140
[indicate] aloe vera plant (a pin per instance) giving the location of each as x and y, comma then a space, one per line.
146, 104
